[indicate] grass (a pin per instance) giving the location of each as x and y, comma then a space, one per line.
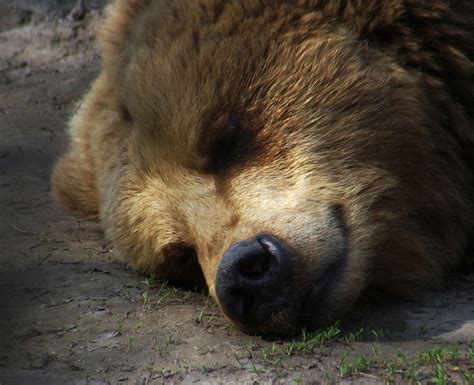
255, 369
439, 376
145, 297
311, 342
358, 364
161, 298
67, 328
438, 356
434, 366
440, 365
187, 295
157, 347
282, 357
468, 376
130, 343
148, 365
470, 349
150, 282
299, 379
149, 279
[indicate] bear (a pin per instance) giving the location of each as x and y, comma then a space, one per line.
289, 155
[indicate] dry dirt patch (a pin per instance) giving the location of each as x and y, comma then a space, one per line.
70, 313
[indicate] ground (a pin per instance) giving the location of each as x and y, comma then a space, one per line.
71, 313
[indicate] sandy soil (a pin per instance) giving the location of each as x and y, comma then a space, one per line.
71, 313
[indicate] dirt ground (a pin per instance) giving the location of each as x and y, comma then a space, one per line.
71, 313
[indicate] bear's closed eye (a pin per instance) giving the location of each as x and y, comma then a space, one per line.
228, 143
125, 113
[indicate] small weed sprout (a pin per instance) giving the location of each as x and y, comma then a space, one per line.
170, 339
274, 348
353, 337
402, 358
130, 343
439, 376
251, 349
379, 334
161, 298
468, 377
359, 364
145, 297
237, 358
256, 369
299, 379
200, 317
187, 295
471, 353
149, 280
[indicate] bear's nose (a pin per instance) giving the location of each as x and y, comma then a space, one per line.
252, 280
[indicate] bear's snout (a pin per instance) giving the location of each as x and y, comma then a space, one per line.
252, 280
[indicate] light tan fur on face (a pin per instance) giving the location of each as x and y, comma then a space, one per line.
348, 107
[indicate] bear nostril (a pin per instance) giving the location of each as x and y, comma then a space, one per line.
256, 265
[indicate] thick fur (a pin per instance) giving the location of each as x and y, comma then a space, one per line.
213, 121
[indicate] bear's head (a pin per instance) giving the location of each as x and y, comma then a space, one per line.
272, 153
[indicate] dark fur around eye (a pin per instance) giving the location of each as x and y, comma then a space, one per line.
229, 143
125, 113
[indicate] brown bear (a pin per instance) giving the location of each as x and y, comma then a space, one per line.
292, 154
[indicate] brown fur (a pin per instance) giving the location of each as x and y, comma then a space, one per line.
213, 121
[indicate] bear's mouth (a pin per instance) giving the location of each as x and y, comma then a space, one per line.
318, 298
319, 303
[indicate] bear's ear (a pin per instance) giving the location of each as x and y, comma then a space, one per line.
117, 27
435, 37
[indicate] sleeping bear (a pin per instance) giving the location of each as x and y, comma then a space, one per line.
288, 154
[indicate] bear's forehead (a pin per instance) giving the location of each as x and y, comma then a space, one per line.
186, 66
214, 46
209, 83
193, 62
